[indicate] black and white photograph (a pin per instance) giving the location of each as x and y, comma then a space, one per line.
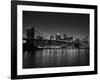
53, 39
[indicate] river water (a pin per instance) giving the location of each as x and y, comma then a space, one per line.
55, 58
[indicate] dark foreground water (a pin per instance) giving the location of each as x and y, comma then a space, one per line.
55, 58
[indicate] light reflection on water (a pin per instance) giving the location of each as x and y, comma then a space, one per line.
55, 58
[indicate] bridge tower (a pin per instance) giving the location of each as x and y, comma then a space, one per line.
30, 38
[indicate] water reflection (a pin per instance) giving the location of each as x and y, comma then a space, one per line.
55, 58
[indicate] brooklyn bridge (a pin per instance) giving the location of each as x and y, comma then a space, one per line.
34, 39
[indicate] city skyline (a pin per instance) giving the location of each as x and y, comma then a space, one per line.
72, 24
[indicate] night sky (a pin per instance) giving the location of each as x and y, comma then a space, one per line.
51, 23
